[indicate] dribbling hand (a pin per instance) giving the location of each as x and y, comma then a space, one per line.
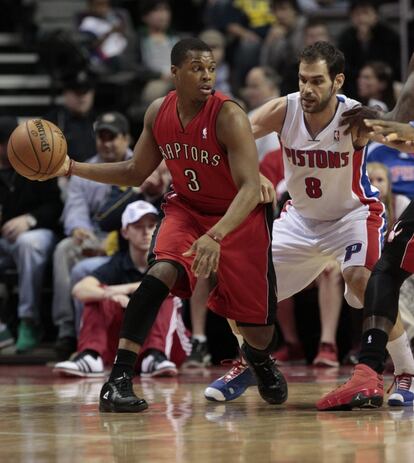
207, 255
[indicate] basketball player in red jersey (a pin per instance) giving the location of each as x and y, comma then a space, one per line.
212, 223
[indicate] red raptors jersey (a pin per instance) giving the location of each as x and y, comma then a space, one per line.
197, 162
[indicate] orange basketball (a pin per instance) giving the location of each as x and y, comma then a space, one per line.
37, 149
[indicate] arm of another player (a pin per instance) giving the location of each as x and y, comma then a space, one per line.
126, 173
234, 132
269, 117
394, 134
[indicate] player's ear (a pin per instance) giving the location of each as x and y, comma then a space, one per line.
339, 81
174, 70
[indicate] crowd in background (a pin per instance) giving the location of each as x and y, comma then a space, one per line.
90, 241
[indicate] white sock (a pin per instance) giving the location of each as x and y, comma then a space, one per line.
402, 357
239, 338
200, 337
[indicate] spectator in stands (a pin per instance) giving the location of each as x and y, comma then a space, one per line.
375, 85
109, 36
400, 165
76, 115
315, 31
261, 85
154, 44
284, 42
29, 221
105, 294
108, 219
246, 23
367, 39
217, 42
84, 237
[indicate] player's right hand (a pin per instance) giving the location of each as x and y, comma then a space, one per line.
207, 255
354, 119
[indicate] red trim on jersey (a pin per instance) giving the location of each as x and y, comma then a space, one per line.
407, 262
375, 221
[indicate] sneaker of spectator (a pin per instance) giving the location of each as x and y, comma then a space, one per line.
403, 393
6, 338
200, 356
155, 364
29, 335
86, 364
290, 354
327, 355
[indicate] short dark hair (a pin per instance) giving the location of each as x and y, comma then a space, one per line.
293, 3
354, 4
335, 59
147, 6
181, 49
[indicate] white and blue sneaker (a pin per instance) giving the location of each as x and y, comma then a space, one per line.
231, 385
403, 393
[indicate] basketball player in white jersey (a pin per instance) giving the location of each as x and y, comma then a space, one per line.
334, 211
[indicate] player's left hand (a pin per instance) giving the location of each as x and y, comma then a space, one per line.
267, 190
207, 255
390, 131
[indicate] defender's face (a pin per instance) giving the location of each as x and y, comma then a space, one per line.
196, 76
315, 86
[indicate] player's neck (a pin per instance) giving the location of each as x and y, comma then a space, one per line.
316, 122
187, 109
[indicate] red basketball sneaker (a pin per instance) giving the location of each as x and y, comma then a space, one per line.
365, 389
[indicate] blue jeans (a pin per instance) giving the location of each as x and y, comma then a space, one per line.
30, 254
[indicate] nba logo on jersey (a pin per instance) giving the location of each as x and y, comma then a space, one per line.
336, 135
204, 133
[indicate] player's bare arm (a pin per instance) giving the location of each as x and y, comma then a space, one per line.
234, 132
269, 117
126, 173
394, 134
403, 110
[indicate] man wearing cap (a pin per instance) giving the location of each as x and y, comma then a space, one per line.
84, 236
76, 115
106, 292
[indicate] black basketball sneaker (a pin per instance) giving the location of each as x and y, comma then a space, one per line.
270, 380
118, 396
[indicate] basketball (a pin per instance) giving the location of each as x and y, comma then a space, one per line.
37, 149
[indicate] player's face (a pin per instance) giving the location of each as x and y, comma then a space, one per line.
315, 86
196, 76
378, 177
139, 234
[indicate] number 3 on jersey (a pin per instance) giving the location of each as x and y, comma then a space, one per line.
313, 187
193, 184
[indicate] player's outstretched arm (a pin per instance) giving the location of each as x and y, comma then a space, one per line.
126, 173
403, 110
269, 117
394, 134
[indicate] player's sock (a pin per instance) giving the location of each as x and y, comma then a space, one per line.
124, 363
373, 349
401, 355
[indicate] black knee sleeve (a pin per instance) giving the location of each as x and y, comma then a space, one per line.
142, 309
383, 289
266, 351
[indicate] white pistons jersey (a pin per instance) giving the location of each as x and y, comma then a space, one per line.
325, 176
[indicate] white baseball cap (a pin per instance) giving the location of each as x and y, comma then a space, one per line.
135, 211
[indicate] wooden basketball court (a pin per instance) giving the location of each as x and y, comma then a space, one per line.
45, 418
